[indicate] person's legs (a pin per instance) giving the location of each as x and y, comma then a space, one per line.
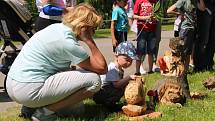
191, 63
151, 47
158, 39
188, 38
203, 28
155, 67
25, 111
73, 87
88, 84
211, 46
150, 62
176, 33
120, 37
57, 92
142, 70
141, 50
139, 65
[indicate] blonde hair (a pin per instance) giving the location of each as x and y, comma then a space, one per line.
81, 18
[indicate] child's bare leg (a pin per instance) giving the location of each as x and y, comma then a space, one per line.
138, 64
150, 62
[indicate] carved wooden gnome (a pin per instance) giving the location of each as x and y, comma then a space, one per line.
135, 98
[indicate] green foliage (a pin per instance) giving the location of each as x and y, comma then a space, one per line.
160, 8
102, 33
32, 8
104, 7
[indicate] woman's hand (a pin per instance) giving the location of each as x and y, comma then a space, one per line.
85, 34
114, 42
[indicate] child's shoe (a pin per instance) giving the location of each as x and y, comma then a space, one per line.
156, 68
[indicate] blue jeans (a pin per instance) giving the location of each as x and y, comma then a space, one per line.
146, 42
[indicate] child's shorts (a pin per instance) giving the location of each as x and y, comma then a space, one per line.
108, 95
188, 36
146, 43
120, 37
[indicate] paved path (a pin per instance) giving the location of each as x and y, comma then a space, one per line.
105, 46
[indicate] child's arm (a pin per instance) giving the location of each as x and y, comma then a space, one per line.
123, 82
45, 2
142, 17
172, 10
114, 41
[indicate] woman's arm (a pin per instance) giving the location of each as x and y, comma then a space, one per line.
96, 62
114, 41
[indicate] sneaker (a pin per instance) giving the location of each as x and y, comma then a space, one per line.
137, 73
191, 68
155, 68
26, 112
142, 71
150, 72
39, 115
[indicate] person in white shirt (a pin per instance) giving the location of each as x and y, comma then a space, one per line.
114, 82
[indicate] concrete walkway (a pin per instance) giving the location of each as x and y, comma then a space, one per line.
105, 46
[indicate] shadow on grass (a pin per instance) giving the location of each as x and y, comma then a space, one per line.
92, 112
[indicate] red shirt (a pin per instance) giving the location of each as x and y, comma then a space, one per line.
144, 8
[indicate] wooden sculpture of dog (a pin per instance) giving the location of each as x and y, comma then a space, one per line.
135, 98
167, 92
173, 62
210, 83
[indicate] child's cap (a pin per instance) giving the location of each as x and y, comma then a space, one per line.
127, 48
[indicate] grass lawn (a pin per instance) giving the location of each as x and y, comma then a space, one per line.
103, 33
193, 110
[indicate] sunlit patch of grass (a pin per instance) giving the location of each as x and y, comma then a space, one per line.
193, 110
